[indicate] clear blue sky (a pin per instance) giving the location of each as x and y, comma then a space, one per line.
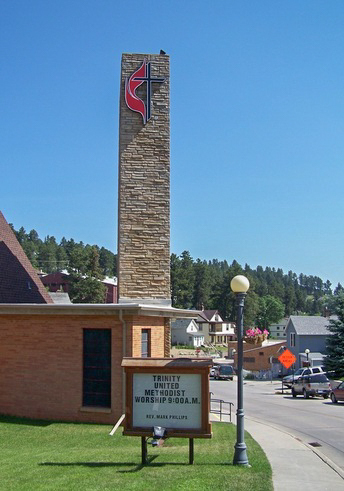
257, 120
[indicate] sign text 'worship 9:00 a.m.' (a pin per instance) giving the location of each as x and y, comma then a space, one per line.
172, 400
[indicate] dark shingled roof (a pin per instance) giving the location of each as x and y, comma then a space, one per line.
310, 324
19, 282
206, 315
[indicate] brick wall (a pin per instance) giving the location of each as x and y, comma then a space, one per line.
41, 365
156, 326
256, 359
144, 189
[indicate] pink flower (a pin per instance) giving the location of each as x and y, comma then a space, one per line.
254, 332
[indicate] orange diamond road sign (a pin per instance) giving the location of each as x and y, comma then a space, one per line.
287, 358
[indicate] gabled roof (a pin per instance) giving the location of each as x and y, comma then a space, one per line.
181, 323
206, 315
209, 313
56, 277
201, 317
19, 282
310, 324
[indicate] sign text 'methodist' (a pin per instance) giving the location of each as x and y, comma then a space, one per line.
172, 400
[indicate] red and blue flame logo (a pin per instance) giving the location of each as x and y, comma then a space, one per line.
140, 76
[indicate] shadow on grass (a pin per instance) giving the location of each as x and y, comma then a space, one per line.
4, 418
23, 421
137, 467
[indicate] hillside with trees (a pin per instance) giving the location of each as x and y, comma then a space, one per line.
195, 284
86, 264
272, 293
49, 256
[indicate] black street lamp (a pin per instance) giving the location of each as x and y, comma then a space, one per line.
239, 286
307, 351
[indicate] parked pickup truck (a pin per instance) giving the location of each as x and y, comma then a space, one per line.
289, 380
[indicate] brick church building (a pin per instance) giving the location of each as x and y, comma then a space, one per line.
63, 361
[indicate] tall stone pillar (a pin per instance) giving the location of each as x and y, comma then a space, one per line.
144, 180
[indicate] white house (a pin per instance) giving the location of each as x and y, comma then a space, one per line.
185, 331
277, 331
214, 328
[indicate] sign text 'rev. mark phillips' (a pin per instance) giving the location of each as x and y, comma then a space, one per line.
172, 393
140, 76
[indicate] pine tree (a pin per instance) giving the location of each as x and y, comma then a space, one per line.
202, 285
334, 360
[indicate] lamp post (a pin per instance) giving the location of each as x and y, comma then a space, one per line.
239, 286
307, 351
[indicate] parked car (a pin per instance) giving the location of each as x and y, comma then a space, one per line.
224, 372
312, 385
337, 394
288, 380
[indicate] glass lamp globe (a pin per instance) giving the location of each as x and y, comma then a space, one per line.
240, 284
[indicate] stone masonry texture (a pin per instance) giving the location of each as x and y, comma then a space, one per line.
144, 188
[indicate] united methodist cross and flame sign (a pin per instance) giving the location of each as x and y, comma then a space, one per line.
140, 76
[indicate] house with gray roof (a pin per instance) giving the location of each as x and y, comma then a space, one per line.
185, 331
307, 333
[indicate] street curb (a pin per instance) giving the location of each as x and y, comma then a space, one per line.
321, 456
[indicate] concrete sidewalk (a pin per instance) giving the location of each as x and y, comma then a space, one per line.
295, 465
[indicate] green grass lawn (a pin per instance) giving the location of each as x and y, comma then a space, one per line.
43, 455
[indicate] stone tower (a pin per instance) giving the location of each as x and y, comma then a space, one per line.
144, 180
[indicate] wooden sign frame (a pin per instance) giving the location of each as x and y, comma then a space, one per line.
165, 366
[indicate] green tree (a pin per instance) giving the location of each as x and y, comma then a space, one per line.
270, 310
202, 284
339, 289
92, 267
85, 284
61, 259
77, 258
327, 288
46, 257
335, 342
290, 300
183, 279
86, 290
107, 262
21, 235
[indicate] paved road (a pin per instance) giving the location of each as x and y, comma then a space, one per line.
312, 420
